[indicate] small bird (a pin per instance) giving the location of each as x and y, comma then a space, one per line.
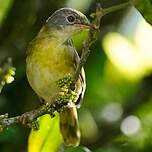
51, 56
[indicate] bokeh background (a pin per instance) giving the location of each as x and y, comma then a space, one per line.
116, 115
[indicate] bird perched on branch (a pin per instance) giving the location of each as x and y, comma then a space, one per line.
50, 57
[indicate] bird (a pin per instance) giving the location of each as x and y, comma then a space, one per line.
51, 55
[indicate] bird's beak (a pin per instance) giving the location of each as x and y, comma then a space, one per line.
91, 26
87, 26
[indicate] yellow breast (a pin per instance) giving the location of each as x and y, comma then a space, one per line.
48, 61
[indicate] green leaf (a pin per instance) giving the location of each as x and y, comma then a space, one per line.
77, 149
48, 137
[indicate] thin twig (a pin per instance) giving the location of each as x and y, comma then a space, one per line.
91, 39
100, 12
117, 7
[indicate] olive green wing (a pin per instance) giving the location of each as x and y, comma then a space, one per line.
81, 83
69, 125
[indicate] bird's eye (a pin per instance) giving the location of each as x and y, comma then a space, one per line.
70, 18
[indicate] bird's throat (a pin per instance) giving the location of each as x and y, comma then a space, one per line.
59, 35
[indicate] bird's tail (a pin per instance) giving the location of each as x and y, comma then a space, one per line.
69, 126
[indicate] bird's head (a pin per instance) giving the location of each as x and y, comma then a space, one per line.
67, 21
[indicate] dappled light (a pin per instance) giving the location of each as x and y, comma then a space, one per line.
112, 112
130, 125
131, 55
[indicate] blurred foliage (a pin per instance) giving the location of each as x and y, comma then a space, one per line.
7, 72
4, 7
116, 113
145, 8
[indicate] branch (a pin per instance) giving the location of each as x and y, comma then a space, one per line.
27, 118
66, 85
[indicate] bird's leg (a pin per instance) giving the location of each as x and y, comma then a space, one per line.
26, 118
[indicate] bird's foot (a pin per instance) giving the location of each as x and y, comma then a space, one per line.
25, 118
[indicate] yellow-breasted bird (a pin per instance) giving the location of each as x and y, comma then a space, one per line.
50, 57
